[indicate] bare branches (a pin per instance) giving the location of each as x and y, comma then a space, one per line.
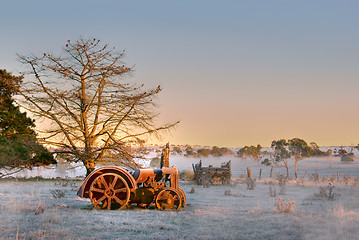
94, 110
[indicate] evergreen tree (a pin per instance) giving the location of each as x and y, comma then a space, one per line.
18, 144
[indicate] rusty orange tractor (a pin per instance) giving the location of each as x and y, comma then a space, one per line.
116, 187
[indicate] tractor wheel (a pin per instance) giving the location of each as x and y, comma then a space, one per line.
168, 199
109, 191
183, 196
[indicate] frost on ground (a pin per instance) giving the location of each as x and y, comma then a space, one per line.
210, 214
50, 209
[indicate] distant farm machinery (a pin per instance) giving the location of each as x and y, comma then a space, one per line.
212, 175
115, 187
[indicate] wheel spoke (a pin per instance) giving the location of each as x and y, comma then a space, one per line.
98, 182
124, 189
114, 181
100, 200
104, 182
119, 201
97, 190
109, 204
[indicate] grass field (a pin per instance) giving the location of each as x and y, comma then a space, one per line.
30, 209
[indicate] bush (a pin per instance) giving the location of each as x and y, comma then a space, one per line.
203, 152
186, 175
266, 162
250, 151
177, 150
155, 162
217, 152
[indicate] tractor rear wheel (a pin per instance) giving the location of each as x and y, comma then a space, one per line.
168, 199
109, 191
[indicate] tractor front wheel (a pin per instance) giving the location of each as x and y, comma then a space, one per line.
183, 196
168, 199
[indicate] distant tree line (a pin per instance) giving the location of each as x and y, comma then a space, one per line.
190, 151
283, 151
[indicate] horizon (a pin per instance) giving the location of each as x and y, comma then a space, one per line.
206, 146
234, 73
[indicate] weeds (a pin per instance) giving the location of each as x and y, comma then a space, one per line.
251, 183
282, 180
284, 207
272, 191
326, 192
229, 193
346, 179
57, 193
39, 210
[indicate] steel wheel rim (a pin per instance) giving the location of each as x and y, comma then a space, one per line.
168, 198
109, 191
183, 196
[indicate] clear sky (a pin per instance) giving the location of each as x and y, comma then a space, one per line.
234, 73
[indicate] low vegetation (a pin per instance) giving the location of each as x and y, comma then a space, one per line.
285, 206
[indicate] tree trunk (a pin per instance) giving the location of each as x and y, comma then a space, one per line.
296, 168
249, 173
89, 167
88, 171
286, 167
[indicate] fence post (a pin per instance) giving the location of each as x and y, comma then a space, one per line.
249, 173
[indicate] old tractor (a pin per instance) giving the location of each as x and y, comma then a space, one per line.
116, 187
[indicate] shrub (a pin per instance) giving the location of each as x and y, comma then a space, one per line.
327, 193
155, 162
177, 150
217, 152
203, 152
250, 151
186, 175
266, 162
57, 193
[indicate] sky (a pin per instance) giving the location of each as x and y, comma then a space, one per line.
234, 73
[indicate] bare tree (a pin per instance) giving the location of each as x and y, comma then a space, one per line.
95, 113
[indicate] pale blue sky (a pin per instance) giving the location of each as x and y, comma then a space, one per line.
234, 72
